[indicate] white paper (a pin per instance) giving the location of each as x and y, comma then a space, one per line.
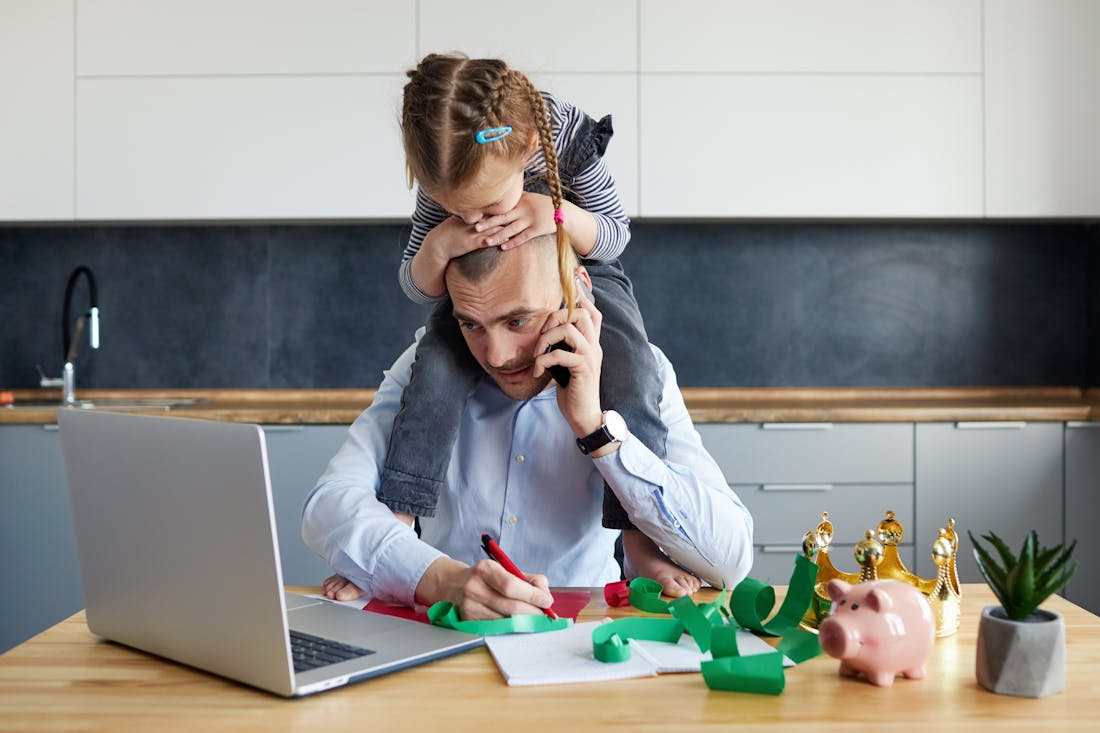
560, 657
684, 656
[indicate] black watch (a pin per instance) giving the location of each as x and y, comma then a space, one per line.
613, 430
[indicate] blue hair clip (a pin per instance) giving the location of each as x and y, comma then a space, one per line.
492, 134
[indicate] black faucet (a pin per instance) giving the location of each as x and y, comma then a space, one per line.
69, 341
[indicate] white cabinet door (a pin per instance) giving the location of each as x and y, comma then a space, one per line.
566, 36
810, 145
203, 37
240, 148
785, 36
999, 477
36, 121
1042, 96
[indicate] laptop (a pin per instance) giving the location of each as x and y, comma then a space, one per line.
175, 530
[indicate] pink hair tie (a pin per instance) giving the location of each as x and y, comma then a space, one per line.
559, 218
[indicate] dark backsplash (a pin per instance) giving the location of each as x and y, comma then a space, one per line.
732, 304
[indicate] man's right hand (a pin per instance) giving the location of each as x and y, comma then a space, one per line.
482, 591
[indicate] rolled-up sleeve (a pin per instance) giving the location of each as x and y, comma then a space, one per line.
344, 522
682, 503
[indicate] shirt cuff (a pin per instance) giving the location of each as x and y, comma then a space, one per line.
406, 559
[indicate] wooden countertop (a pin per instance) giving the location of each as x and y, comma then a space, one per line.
725, 405
67, 679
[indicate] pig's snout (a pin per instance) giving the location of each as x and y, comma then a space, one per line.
837, 639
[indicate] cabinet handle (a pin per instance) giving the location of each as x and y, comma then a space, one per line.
785, 549
51, 428
796, 487
283, 428
796, 426
1078, 425
991, 425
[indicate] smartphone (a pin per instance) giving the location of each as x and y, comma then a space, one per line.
558, 372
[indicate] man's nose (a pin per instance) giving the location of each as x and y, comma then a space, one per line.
500, 350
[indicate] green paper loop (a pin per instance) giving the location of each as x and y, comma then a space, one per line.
609, 640
444, 614
759, 673
752, 601
645, 595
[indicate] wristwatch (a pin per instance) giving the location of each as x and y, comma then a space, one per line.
613, 430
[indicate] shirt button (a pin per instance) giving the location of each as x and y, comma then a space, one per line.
520, 459
512, 519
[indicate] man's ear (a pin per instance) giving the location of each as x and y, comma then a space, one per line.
582, 275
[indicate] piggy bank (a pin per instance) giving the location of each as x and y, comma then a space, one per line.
881, 628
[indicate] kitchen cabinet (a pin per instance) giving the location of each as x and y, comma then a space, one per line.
810, 145
297, 456
787, 474
1083, 511
228, 147
244, 37
36, 126
570, 36
1004, 477
39, 571
1042, 108
810, 37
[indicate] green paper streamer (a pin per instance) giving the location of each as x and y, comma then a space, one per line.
609, 639
444, 614
752, 601
645, 595
709, 625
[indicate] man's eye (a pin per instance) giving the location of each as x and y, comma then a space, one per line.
467, 326
520, 322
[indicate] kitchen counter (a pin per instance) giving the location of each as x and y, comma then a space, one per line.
722, 405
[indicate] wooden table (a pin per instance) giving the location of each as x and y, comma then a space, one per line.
67, 679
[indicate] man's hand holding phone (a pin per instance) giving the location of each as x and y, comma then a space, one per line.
573, 343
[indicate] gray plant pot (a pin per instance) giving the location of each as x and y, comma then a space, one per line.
1025, 658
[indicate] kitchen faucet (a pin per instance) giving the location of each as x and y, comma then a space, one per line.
70, 341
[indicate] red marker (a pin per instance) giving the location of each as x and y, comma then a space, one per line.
492, 549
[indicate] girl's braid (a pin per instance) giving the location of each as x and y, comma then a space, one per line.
553, 179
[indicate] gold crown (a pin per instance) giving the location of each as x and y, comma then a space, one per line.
878, 558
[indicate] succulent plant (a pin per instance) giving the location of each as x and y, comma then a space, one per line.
1022, 583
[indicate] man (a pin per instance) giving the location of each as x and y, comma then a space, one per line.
517, 469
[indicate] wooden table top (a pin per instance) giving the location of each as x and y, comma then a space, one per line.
67, 679
714, 405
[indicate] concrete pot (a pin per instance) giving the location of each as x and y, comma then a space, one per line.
1024, 658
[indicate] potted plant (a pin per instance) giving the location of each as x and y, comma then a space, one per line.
1021, 647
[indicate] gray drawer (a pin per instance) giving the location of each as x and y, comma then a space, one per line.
774, 567
782, 513
812, 452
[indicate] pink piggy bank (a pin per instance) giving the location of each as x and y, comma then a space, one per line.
881, 628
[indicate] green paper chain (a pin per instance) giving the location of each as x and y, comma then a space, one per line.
709, 626
444, 614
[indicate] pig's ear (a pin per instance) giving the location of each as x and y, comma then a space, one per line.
837, 589
879, 600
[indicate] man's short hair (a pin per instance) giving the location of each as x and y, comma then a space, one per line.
476, 264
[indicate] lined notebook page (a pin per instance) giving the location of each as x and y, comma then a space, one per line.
559, 657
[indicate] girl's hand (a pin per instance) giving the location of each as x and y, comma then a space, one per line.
451, 238
532, 216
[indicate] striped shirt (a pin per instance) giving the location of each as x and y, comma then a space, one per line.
593, 190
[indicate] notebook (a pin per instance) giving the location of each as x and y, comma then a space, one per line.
175, 531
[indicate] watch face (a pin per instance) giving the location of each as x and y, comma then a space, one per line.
616, 426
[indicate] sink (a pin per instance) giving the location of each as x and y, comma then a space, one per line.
108, 403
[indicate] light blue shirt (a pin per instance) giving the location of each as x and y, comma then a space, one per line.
516, 474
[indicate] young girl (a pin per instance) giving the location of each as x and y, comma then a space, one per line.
498, 162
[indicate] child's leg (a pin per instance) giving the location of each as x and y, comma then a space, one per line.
424, 429
642, 558
629, 383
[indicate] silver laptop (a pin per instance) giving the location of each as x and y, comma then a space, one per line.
175, 531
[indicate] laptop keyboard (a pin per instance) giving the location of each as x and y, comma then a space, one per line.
311, 652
